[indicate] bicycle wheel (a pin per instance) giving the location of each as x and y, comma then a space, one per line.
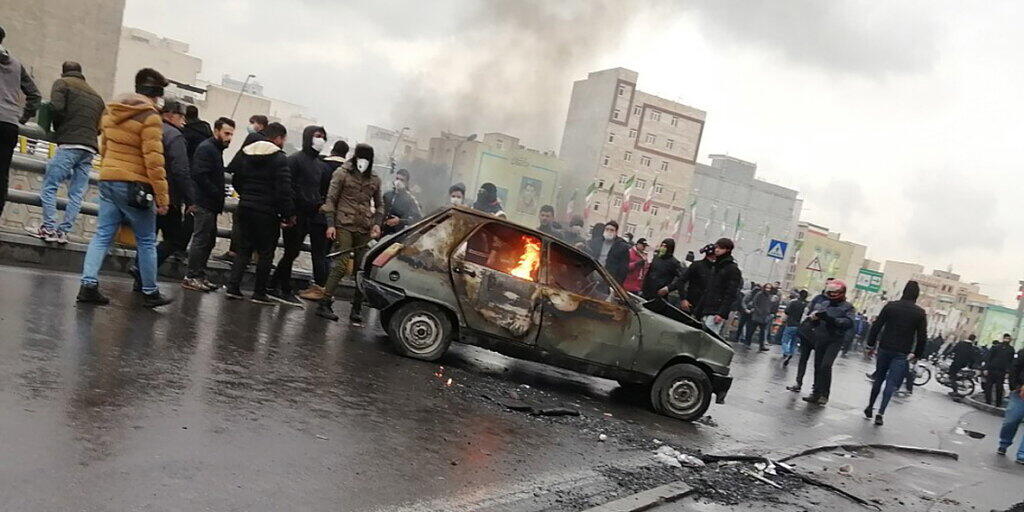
922, 375
965, 387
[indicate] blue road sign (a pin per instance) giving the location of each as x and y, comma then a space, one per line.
777, 249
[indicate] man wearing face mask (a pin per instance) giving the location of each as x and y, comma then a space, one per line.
400, 206
255, 133
665, 269
829, 320
612, 251
306, 171
457, 194
487, 199
319, 245
723, 282
354, 191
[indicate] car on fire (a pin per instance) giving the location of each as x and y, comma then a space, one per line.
461, 275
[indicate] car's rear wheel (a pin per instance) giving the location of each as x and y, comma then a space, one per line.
420, 330
681, 391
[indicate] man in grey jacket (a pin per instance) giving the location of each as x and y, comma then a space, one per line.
76, 118
14, 82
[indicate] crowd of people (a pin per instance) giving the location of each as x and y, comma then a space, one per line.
162, 170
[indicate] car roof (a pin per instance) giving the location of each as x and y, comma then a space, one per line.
466, 210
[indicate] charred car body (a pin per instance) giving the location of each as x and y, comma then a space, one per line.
466, 276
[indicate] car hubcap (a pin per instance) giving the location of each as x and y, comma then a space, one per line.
683, 396
421, 332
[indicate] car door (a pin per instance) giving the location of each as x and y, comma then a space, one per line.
584, 316
495, 272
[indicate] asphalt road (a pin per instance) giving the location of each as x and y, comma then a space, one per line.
212, 404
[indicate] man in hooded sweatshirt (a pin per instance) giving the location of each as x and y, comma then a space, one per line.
15, 83
307, 171
662, 272
319, 245
354, 191
132, 178
487, 199
723, 282
195, 130
900, 333
265, 204
829, 320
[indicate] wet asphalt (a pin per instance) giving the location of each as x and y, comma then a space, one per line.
211, 404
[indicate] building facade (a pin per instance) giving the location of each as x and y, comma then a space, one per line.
402, 145
998, 320
616, 134
42, 34
728, 200
954, 307
820, 254
141, 49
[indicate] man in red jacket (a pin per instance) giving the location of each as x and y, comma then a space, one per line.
637, 267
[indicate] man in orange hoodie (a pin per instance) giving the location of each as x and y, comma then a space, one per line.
132, 179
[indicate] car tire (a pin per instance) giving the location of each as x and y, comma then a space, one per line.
681, 391
420, 330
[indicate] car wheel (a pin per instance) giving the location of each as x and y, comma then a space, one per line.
681, 391
420, 330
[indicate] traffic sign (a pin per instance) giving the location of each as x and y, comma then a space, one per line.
869, 280
777, 249
814, 265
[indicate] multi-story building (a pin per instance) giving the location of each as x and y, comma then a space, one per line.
727, 200
43, 34
954, 306
525, 178
403, 145
615, 133
820, 254
141, 49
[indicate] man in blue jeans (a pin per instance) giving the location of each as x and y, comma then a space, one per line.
76, 120
1014, 409
794, 313
900, 332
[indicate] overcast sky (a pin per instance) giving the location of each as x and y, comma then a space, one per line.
898, 122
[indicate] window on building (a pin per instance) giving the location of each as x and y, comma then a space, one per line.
622, 90
627, 156
641, 184
605, 160
617, 202
654, 210
501, 144
659, 188
634, 206
632, 133
611, 136
623, 178
650, 232
650, 138
600, 183
669, 143
663, 166
616, 114
675, 121
645, 161
655, 115
630, 228
597, 205
637, 109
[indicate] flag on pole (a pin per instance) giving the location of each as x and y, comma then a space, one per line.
627, 194
739, 225
693, 214
591, 192
572, 204
650, 196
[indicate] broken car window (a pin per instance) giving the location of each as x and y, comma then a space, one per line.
505, 249
576, 274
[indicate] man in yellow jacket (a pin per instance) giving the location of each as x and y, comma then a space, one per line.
132, 179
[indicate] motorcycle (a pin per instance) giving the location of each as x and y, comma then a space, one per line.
964, 383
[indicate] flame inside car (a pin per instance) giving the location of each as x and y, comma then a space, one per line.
529, 260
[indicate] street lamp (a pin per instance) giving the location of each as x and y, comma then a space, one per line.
240, 91
451, 174
391, 157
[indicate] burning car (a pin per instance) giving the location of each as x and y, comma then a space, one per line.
461, 275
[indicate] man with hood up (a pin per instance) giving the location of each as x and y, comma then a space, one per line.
265, 204
14, 82
353, 206
307, 171
318, 242
663, 271
723, 282
195, 130
132, 178
900, 333
487, 199
828, 321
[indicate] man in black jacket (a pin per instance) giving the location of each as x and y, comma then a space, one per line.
900, 332
998, 362
208, 177
965, 355
612, 251
318, 242
829, 319
265, 204
794, 315
692, 281
195, 130
723, 282
400, 206
1014, 414
762, 304
257, 127
307, 170
663, 273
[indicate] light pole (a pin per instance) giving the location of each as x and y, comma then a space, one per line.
451, 175
240, 91
391, 157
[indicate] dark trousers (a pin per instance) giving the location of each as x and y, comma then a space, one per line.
993, 385
743, 323
806, 350
257, 232
890, 369
172, 233
824, 356
759, 327
233, 248
8, 138
204, 237
292, 238
319, 245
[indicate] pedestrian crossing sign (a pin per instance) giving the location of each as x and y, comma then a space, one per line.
814, 265
777, 249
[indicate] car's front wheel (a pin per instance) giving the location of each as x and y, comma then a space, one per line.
420, 330
681, 391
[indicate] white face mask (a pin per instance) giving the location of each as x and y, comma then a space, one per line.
160, 103
318, 143
399, 185
455, 200
609, 235
362, 164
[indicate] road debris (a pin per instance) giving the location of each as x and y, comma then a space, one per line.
602, 438
760, 478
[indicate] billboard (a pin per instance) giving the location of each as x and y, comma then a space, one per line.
523, 186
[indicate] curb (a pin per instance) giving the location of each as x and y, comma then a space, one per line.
982, 406
647, 499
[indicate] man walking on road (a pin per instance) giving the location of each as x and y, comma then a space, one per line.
761, 304
1014, 414
256, 132
999, 361
829, 320
794, 313
354, 222
723, 282
400, 207
900, 332
76, 118
181, 188
265, 205
319, 245
208, 177
14, 82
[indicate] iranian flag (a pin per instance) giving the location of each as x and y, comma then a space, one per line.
650, 196
627, 195
693, 215
571, 205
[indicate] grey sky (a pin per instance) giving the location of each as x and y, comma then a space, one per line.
899, 122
